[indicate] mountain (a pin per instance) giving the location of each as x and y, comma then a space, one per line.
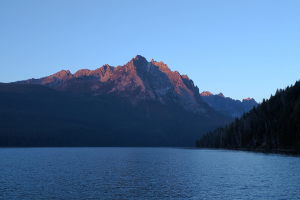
274, 125
137, 80
228, 106
138, 104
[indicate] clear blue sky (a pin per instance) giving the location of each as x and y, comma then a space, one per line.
241, 48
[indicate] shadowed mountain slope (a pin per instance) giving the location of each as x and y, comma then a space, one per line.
139, 104
228, 106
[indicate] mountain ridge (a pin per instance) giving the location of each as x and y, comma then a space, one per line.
228, 106
140, 103
138, 79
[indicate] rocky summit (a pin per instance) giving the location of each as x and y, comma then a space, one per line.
137, 80
142, 103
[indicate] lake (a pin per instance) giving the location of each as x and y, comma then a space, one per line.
146, 173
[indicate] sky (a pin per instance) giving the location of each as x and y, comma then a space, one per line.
243, 48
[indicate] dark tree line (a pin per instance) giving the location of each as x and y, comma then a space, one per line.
272, 126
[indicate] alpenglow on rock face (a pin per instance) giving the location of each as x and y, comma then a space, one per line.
137, 80
138, 104
228, 106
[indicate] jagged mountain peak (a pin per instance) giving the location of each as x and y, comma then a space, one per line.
138, 61
206, 93
221, 95
184, 76
107, 66
248, 99
82, 72
137, 80
104, 68
161, 65
139, 57
62, 74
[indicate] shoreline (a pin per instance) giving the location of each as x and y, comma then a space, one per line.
291, 152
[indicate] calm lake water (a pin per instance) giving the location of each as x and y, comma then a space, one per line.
146, 173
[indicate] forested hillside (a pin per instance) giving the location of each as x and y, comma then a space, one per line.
274, 126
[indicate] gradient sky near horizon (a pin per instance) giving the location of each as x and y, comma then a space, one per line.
241, 48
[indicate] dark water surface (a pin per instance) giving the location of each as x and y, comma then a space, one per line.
146, 173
